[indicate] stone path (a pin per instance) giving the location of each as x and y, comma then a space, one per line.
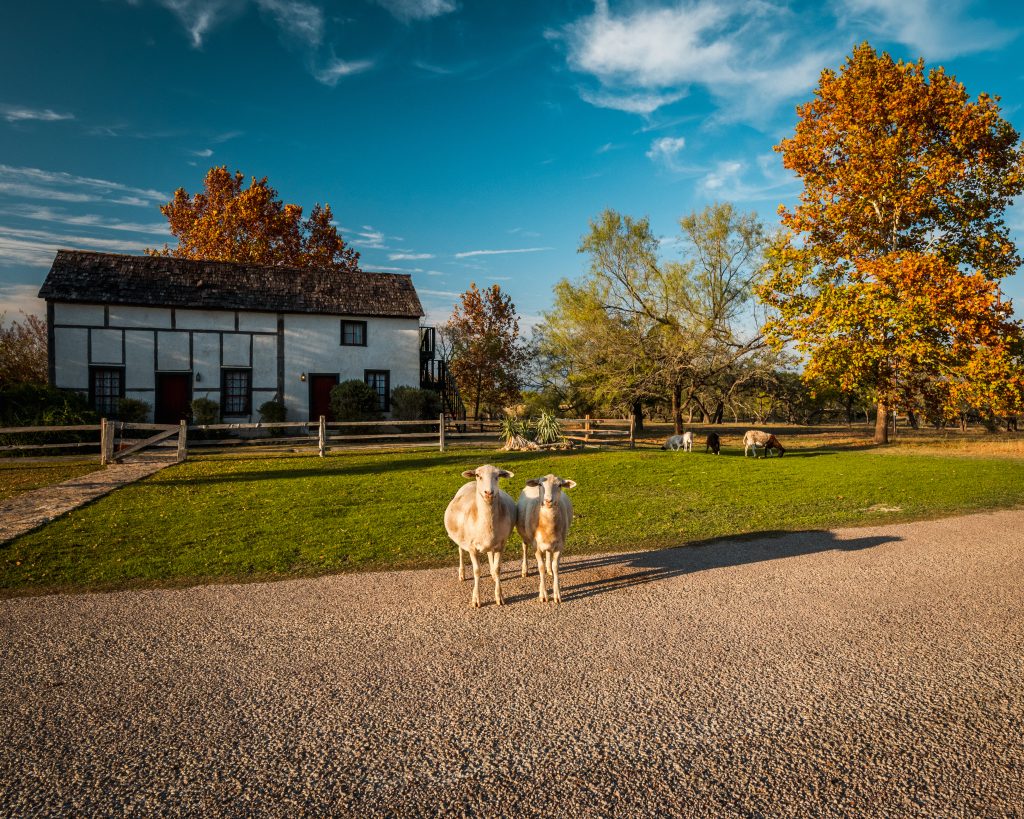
30, 510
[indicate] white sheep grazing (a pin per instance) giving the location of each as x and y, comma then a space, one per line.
753, 438
677, 442
543, 518
480, 519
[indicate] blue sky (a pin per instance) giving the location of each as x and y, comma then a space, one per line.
456, 140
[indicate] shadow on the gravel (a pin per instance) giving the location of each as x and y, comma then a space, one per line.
622, 571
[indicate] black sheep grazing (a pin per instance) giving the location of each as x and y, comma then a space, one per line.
714, 443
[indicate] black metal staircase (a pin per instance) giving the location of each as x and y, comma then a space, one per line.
434, 375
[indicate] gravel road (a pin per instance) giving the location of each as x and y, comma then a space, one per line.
858, 672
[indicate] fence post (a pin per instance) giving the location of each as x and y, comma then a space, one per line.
586, 429
182, 441
104, 434
440, 435
323, 436
632, 431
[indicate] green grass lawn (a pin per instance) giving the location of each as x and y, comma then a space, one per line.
245, 519
18, 476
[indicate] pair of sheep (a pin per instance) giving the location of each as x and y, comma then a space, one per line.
481, 517
685, 443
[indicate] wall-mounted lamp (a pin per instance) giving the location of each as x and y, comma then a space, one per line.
199, 377
302, 377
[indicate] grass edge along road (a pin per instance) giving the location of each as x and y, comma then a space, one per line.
252, 519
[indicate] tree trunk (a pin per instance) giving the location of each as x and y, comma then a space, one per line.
638, 416
716, 418
912, 419
882, 424
677, 410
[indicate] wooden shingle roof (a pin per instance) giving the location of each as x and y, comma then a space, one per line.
165, 281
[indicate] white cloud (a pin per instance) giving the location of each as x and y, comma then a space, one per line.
735, 180
36, 248
13, 113
205, 152
336, 69
653, 47
395, 257
34, 183
643, 103
200, 16
749, 56
300, 20
16, 299
665, 150
934, 29
466, 254
91, 220
367, 237
409, 10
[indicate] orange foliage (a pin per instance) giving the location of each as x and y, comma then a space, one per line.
888, 279
226, 222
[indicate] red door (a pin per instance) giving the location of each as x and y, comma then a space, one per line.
173, 397
320, 395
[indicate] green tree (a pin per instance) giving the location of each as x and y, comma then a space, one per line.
487, 356
636, 329
231, 223
888, 279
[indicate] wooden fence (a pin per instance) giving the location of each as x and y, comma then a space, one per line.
118, 440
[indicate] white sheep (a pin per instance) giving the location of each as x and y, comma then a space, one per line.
543, 518
677, 442
753, 438
480, 519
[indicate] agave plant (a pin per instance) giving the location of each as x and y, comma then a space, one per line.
547, 429
513, 431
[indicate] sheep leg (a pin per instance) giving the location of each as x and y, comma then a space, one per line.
494, 559
525, 571
475, 600
462, 565
543, 595
554, 575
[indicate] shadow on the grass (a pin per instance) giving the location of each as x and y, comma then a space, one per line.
614, 572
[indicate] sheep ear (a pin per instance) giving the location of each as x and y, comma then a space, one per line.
469, 473
534, 482
504, 473
567, 484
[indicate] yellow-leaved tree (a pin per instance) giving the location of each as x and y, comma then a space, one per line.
887, 278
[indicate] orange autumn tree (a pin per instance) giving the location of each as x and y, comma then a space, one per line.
231, 223
487, 357
887, 279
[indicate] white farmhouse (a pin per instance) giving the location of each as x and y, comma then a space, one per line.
167, 330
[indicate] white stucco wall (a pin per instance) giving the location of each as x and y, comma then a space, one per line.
204, 319
124, 316
91, 314
105, 346
312, 344
71, 371
204, 342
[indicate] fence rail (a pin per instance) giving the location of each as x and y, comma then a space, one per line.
119, 440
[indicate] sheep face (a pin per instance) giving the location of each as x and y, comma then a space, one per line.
550, 487
487, 478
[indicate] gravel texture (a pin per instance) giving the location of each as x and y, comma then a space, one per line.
871, 672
